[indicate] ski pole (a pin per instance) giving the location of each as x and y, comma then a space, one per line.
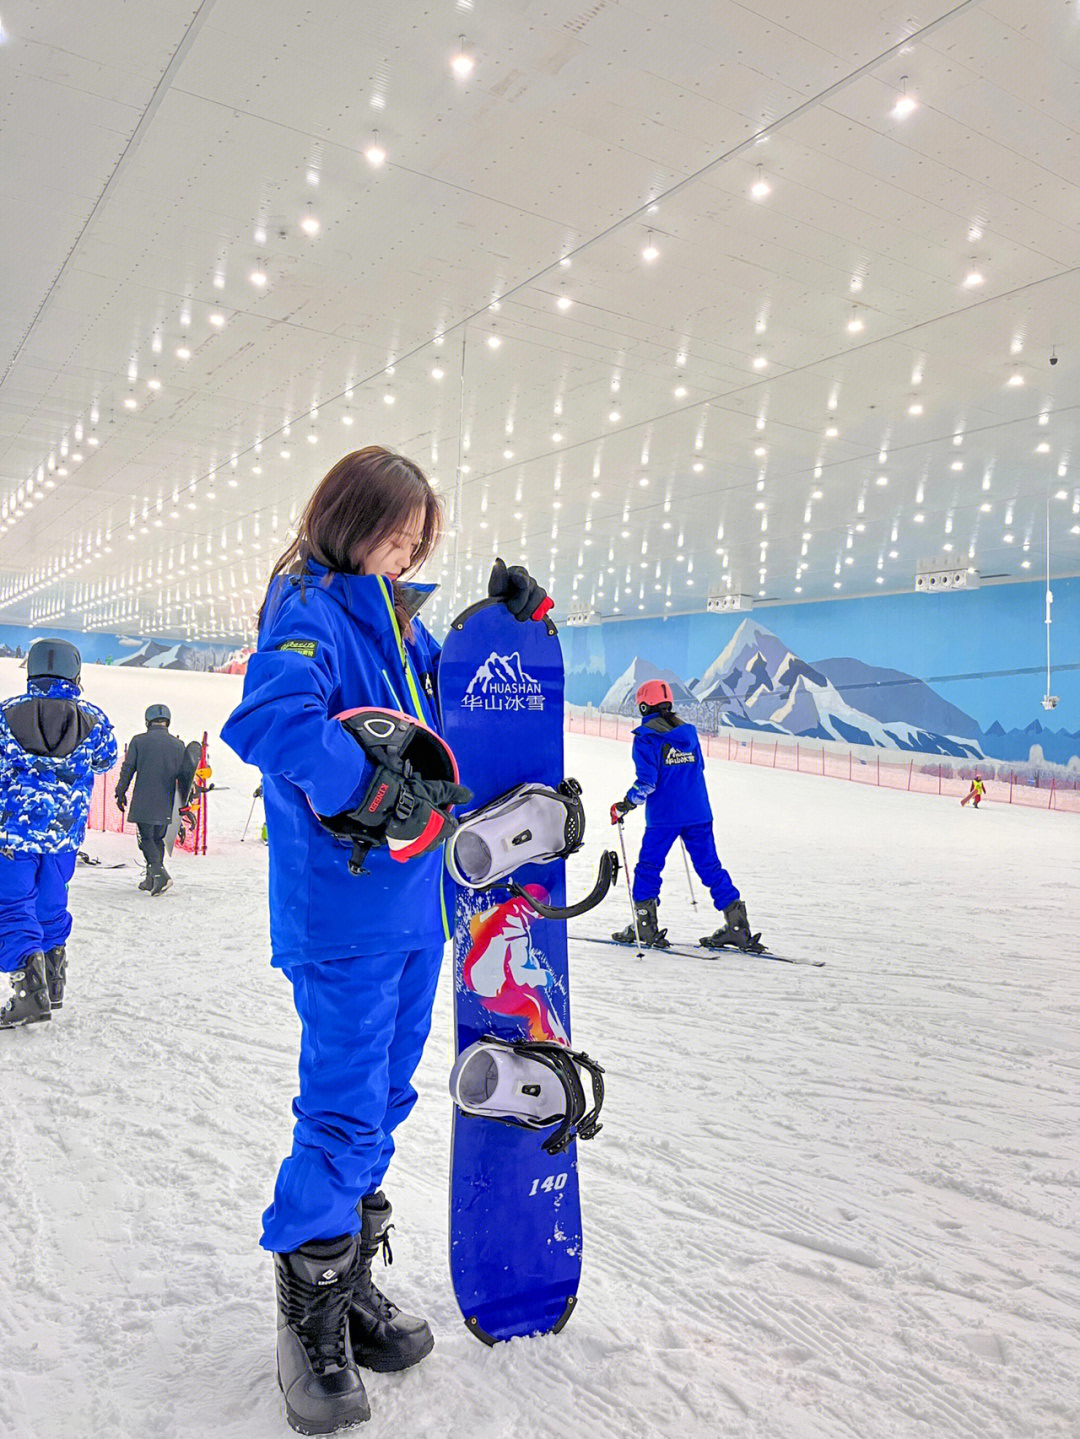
689, 881
251, 811
630, 895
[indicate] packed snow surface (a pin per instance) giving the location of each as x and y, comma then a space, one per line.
834, 1203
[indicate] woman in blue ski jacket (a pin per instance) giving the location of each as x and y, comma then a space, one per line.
337, 632
670, 783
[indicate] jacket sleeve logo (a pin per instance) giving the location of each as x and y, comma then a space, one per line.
308, 648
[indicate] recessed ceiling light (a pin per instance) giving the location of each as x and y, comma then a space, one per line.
679, 392
564, 302
973, 278
258, 278
374, 153
494, 341
918, 518
130, 403
650, 252
310, 223
614, 416
759, 362
1043, 449
153, 383
508, 454
761, 187
183, 353
462, 62
855, 324
1016, 378
915, 409
905, 104
437, 373
831, 432
698, 467
957, 465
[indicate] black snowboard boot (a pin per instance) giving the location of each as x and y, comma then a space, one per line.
736, 933
382, 1337
161, 881
29, 999
651, 935
147, 881
315, 1367
56, 974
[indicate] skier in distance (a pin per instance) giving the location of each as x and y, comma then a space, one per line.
157, 760
337, 631
975, 794
670, 782
52, 744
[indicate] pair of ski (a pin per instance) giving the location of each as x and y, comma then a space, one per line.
698, 951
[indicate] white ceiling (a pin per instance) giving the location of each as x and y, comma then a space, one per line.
145, 144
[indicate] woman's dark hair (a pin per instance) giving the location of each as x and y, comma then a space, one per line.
362, 500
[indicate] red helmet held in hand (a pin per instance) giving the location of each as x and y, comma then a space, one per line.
654, 693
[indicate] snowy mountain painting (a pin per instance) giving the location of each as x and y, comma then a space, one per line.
758, 683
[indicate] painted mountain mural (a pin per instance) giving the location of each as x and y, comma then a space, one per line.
620, 697
758, 683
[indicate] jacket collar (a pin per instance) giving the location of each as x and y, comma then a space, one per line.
368, 598
57, 690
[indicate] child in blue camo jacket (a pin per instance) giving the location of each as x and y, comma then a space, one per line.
52, 743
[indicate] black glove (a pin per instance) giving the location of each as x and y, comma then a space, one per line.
411, 815
121, 801
258, 793
523, 597
621, 807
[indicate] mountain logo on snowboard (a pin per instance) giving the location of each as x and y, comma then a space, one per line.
501, 684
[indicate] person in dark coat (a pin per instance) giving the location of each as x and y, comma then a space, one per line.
157, 760
52, 744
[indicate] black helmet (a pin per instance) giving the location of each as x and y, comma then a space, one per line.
54, 660
158, 712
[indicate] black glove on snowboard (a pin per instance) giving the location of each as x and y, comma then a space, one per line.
621, 807
523, 597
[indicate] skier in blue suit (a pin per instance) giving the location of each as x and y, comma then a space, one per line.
52, 744
670, 783
338, 631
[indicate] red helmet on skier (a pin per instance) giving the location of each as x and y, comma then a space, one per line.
653, 694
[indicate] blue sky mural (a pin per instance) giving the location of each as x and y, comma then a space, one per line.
131, 650
979, 654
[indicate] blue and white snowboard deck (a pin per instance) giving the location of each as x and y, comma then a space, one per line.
515, 1215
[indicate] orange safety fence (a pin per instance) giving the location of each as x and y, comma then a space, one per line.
918, 774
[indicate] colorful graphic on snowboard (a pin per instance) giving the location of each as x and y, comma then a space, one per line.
515, 1217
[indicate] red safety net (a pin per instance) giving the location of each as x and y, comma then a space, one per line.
917, 775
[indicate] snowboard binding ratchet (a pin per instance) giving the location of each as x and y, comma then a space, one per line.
532, 1083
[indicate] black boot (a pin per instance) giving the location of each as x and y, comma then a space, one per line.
56, 974
160, 882
29, 1000
382, 1337
736, 933
147, 881
647, 927
315, 1367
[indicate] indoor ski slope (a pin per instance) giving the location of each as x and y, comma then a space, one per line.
836, 1202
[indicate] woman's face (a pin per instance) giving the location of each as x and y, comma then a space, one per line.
393, 556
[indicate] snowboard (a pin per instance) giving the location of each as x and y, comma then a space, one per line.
515, 1214
185, 785
700, 951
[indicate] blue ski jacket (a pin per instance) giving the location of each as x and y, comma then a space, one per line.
52, 744
330, 642
670, 780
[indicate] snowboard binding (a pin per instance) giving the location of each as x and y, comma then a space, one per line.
530, 1083
530, 824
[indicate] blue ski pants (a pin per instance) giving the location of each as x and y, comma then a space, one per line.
364, 1022
700, 846
33, 905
